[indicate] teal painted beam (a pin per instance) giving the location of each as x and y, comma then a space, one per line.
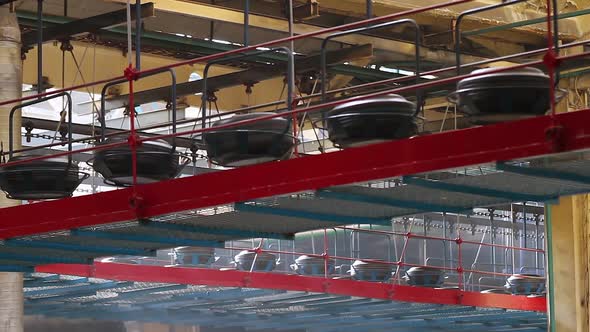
139, 237
321, 217
79, 248
196, 229
473, 190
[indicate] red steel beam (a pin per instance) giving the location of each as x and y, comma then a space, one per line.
519, 139
211, 277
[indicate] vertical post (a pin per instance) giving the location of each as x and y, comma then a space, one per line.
291, 79
524, 222
523, 239
460, 269
550, 56
444, 222
130, 76
138, 35
246, 22
39, 46
291, 47
369, 9
537, 217
493, 238
212, 26
424, 243
132, 138
513, 237
63, 60
326, 256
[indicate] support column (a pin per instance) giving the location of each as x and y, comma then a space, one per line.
568, 237
11, 284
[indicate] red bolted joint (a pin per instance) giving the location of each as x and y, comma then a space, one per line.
553, 135
551, 60
459, 269
136, 203
257, 250
400, 264
131, 73
133, 141
246, 281
409, 235
458, 240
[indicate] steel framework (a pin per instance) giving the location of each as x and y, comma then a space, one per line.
235, 299
536, 159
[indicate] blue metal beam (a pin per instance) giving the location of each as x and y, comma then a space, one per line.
50, 277
372, 199
164, 241
474, 190
369, 315
16, 268
43, 259
237, 297
242, 234
324, 217
138, 293
219, 295
544, 173
74, 291
449, 321
448, 318
50, 283
106, 250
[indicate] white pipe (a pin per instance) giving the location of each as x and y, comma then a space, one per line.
11, 284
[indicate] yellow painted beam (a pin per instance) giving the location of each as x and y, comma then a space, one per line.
442, 17
207, 11
99, 62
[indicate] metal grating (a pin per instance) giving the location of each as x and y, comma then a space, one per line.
257, 309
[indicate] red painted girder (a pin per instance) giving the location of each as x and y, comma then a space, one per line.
233, 278
519, 139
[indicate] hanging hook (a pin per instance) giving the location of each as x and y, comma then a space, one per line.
2, 152
66, 45
29, 126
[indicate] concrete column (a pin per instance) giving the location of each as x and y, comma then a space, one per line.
11, 284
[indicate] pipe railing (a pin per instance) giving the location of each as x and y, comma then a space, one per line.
341, 266
313, 108
417, 40
279, 102
131, 75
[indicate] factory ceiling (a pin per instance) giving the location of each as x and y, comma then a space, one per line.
191, 28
